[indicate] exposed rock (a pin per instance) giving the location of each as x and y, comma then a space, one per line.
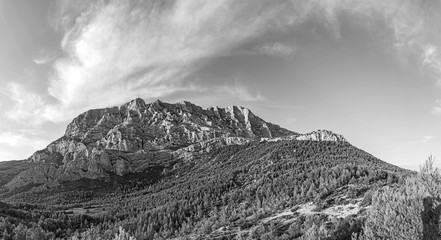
137, 126
207, 146
321, 135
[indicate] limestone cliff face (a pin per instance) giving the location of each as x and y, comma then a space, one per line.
133, 136
139, 126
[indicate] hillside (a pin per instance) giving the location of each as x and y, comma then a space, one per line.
177, 171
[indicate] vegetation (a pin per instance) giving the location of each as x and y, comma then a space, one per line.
226, 194
9, 169
407, 211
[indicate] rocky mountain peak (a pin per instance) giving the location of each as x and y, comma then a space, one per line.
138, 125
136, 104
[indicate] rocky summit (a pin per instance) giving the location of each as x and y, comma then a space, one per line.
137, 135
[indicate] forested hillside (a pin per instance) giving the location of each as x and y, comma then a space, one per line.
230, 192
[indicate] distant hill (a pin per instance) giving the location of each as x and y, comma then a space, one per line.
178, 171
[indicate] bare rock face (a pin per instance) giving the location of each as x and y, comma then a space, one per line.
139, 126
137, 135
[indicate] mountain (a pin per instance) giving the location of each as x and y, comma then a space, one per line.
129, 138
178, 171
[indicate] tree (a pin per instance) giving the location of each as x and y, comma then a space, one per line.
407, 211
20, 232
315, 232
35, 233
123, 235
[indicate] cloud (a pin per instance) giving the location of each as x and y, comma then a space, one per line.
432, 60
113, 51
290, 120
19, 144
425, 139
20, 139
410, 28
45, 56
412, 25
276, 49
236, 89
436, 110
121, 49
28, 107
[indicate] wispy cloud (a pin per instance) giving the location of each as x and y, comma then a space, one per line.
45, 56
28, 107
112, 51
432, 60
15, 145
290, 120
424, 139
437, 108
20, 139
236, 89
147, 47
275, 49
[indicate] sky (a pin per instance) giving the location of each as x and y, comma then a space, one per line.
367, 69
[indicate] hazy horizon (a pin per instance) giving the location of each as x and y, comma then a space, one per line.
369, 70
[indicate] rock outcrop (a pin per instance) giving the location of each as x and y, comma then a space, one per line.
319, 135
